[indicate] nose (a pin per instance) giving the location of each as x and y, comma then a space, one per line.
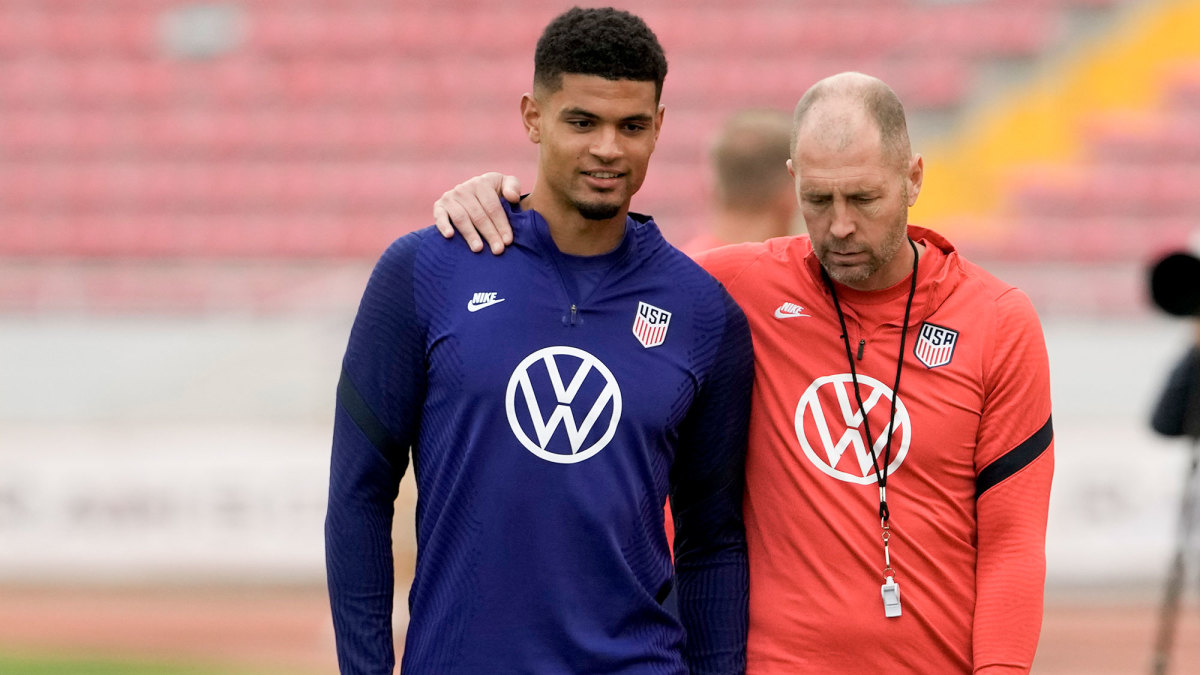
606, 144
842, 225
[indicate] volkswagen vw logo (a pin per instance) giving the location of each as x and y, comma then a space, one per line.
563, 387
816, 428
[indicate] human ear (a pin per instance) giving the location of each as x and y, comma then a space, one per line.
916, 175
531, 116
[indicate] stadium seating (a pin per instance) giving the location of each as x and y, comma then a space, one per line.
1099, 222
283, 134
1138, 180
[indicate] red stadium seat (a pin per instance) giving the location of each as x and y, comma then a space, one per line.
330, 128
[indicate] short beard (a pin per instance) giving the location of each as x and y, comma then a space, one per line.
852, 275
597, 211
876, 261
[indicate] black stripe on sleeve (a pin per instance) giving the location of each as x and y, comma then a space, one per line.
354, 404
1014, 460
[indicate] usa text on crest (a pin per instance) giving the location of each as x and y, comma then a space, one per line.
650, 325
935, 345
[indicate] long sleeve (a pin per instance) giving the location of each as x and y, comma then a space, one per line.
1178, 410
379, 398
706, 498
1015, 463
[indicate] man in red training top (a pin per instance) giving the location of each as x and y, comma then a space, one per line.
901, 449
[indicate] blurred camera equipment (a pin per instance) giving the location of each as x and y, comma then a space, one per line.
1175, 284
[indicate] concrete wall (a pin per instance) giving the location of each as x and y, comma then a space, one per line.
197, 449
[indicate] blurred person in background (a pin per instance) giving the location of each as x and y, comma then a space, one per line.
751, 194
551, 399
853, 491
752, 198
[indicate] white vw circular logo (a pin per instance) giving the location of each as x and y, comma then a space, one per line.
589, 380
842, 428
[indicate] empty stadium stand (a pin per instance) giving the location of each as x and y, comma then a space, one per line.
1127, 199
253, 144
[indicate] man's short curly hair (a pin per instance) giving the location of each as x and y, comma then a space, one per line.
611, 43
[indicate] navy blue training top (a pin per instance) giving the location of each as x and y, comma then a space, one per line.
545, 431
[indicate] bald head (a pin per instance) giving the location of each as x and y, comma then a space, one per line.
856, 177
749, 158
838, 108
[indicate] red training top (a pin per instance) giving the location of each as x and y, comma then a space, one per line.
971, 465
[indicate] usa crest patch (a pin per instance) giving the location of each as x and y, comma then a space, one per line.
650, 325
935, 346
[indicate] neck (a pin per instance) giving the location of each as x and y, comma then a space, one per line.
735, 227
572, 233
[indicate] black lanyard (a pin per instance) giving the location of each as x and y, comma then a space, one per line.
881, 474
890, 590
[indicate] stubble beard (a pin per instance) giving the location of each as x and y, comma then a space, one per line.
877, 259
597, 211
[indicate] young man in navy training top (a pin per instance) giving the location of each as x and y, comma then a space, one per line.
551, 399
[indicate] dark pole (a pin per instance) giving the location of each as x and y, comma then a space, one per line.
1169, 616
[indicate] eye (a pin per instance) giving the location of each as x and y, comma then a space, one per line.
816, 200
635, 127
581, 124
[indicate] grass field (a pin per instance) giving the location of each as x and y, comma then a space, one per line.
172, 631
52, 664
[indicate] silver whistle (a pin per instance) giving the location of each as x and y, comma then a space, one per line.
891, 597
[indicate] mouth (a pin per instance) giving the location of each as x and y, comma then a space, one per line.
603, 179
845, 257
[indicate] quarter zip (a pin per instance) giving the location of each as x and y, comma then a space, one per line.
570, 295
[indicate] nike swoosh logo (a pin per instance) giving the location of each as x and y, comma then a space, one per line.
473, 307
780, 314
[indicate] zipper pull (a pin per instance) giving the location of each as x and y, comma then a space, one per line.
861, 344
571, 319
